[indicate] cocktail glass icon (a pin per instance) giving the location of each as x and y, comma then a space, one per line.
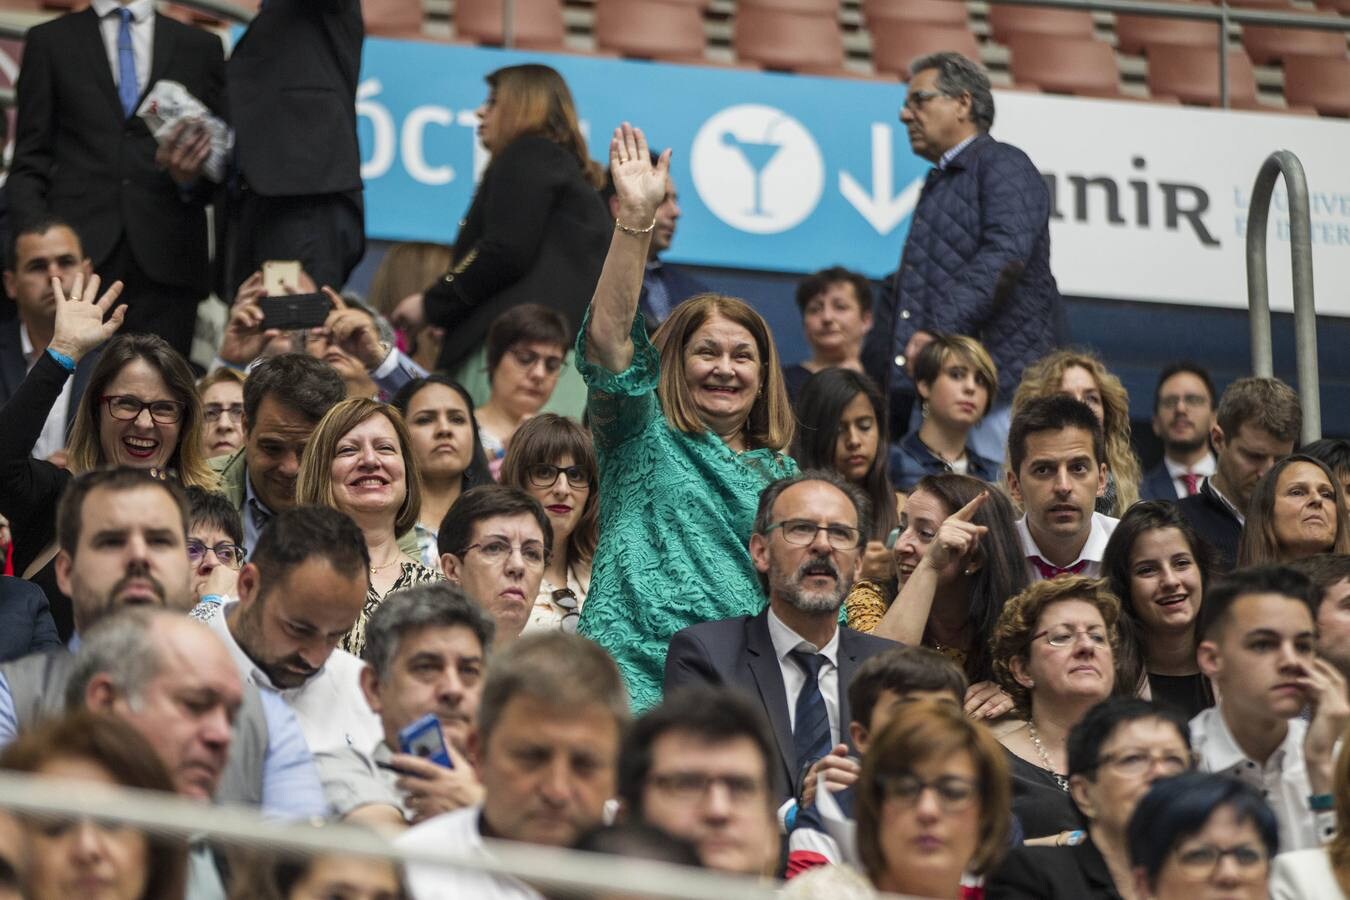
757, 155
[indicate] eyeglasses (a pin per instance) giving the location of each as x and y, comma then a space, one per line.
229, 554
1133, 763
214, 411
496, 552
545, 476
693, 786
527, 359
566, 600
953, 793
128, 409
1199, 863
917, 99
801, 533
1191, 400
1064, 636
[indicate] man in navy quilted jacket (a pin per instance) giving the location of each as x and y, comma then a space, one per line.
977, 259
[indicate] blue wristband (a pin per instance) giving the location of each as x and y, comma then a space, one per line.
65, 361
790, 819
214, 599
1321, 802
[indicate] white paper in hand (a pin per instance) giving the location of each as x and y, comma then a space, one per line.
169, 103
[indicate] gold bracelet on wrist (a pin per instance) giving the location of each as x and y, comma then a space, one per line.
635, 231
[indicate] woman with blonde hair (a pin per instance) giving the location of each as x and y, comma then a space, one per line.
139, 409
932, 802
359, 461
690, 427
536, 227
1081, 375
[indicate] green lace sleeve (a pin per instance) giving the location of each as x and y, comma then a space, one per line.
623, 404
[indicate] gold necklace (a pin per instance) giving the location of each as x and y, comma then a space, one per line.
377, 569
1045, 757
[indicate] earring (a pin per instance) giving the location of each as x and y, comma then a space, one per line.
1030, 684
923, 409
970, 571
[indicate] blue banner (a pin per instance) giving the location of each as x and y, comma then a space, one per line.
774, 172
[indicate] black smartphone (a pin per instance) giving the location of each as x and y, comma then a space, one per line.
294, 311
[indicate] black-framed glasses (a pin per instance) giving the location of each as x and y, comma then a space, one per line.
1133, 763
527, 359
917, 99
212, 412
542, 475
953, 792
1199, 863
496, 552
128, 409
229, 554
566, 600
801, 532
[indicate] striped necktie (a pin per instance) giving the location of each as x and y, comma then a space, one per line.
811, 729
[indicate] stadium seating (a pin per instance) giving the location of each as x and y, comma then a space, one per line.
788, 41
1135, 33
1268, 45
895, 44
932, 12
538, 23
1064, 65
1191, 74
1319, 82
393, 18
1007, 20
650, 29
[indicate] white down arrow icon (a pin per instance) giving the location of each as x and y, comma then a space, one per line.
879, 208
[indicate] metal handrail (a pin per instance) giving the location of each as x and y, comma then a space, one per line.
1282, 162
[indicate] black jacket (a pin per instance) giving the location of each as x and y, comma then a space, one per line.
1052, 873
13, 371
537, 232
77, 156
1157, 484
292, 88
739, 653
1214, 521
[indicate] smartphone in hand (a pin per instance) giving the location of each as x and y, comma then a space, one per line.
424, 740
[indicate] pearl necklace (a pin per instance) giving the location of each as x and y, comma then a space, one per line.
1045, 757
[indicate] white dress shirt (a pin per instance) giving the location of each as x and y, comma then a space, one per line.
1282, 780
1090, 556
785, 640
142, 36
330, 706
1204, 468
1304, 875
53, 436
458, 832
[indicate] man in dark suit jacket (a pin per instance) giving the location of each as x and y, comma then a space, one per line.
26, 624
1183, 415
43, 249
83, 154
292, 89
793, 658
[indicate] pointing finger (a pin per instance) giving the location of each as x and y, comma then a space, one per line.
965, 513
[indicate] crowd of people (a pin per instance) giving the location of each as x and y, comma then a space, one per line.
546, 544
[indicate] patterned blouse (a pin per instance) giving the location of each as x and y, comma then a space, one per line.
410, 574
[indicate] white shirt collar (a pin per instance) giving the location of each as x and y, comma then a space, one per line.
1093, 550
1232, 507
785, 640
1213, 740
946, 159
1205, 467
245, 663
140, 9
25, 344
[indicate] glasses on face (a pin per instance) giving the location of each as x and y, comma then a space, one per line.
496, 552
527, 359
1133, 763
566, 600
917, 99
801, 532
1194, 401
229, 554
127, 409
692, 786
1064, 636
1199, 863
953, 793
545, 476
214, 411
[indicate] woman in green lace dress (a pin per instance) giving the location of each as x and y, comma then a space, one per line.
689, 428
